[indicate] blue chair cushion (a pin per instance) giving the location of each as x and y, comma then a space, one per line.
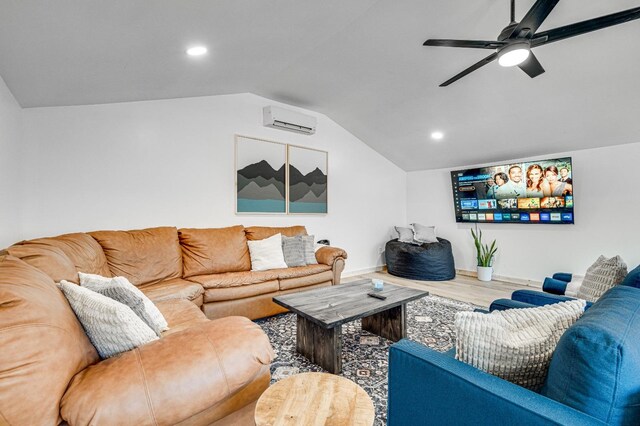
539, 298
504, 304
554, 286
633, 278
596, 365
563, 276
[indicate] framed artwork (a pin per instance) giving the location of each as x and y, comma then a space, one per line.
260, 176
307, 181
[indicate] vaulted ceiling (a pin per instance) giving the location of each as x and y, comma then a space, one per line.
361, 62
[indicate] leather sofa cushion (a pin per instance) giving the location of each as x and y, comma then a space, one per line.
302, 271
214, 250
49, 259
237, 279
233, 293
596, 365
82, 250
171, 379
261, 232
326, 276
176, 288
142, 256
43, 345
180, 314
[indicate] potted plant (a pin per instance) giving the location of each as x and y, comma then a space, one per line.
484, 254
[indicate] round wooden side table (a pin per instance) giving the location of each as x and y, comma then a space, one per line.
314, 399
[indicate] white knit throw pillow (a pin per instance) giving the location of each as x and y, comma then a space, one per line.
97, 282
601, 276
267, 253
516, 344
111, 326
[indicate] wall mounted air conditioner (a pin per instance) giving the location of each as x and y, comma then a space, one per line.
285, 119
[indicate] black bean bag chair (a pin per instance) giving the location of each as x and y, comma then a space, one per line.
427, 262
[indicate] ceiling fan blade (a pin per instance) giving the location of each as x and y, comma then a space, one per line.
474, 44
532, 66
584, 27
471, 69
533, 19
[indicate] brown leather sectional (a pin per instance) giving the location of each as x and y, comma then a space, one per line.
203, 371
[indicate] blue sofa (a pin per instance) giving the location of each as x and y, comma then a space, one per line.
593, 379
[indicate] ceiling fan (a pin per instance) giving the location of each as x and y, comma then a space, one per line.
516, 40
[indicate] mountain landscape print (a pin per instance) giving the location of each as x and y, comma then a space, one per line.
260, 176
307, 180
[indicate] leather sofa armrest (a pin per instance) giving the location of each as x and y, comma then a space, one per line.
554, 286
171, 379
425, 384
334, 257
328, 255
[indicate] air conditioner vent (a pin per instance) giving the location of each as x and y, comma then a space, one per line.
284, 119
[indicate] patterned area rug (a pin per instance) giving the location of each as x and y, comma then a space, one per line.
365, 355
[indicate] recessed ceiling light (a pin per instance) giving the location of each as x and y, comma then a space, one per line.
196, 51
437, 136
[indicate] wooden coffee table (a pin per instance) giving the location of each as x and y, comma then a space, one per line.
322, 312
314, 399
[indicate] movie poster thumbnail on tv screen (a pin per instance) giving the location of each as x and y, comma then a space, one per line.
528, 192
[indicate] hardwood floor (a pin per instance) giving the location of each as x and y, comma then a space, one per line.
467, 289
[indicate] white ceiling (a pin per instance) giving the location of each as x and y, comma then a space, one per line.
361, 62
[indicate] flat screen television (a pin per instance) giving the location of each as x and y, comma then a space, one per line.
527, 192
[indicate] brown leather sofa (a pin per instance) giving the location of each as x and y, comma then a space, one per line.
209, 267
202, 371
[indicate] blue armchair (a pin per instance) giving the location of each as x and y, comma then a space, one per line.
593, 379
553, 292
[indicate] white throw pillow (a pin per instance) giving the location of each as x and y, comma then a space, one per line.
111, 326
424, 234
405, 235
96, 282
516, 344
267, 253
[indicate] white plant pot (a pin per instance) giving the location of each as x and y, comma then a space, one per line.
484, 273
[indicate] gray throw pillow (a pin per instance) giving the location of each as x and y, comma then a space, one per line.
111, 326
601, 276
424, 234
309, 249
293, 250
132, 300
97, 283
405, 235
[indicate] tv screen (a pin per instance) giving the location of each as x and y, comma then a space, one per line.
529, 192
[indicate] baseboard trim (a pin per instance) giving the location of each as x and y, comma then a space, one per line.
364, 271
502, 278
463, 272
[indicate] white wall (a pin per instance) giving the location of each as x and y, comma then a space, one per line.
607, 203
171, 162
10, 135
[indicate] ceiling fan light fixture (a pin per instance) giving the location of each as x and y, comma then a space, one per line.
514, 54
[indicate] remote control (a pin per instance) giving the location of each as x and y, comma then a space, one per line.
377, 296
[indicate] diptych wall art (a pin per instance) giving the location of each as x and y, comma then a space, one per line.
260, 176
307, 180
276, 178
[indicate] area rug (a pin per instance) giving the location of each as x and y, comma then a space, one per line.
365, 355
